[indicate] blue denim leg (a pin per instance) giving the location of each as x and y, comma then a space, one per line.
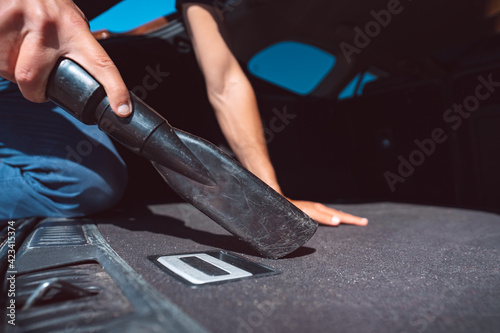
51, 164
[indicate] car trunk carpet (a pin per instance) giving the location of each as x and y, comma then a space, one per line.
412, 269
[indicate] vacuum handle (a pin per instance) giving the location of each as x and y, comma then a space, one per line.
75, 90
145, 132
78, 93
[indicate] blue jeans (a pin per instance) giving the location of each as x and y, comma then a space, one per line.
51, 164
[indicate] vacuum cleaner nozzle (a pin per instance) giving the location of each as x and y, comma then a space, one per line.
145, 132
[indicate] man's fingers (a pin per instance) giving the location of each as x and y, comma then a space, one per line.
351, 219
94, 59
61, 32
322, 217
36, 33
33, 66
344, 217
326, 215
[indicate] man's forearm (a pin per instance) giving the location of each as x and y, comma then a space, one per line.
229, 92
238, 115
234, 101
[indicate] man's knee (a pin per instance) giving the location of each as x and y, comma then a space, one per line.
92, 191
68, 189
99, 193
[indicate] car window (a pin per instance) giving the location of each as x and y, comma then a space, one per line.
295, 66
130, 14
355, 87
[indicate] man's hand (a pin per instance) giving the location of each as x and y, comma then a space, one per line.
34, 34
326, 215
233, 99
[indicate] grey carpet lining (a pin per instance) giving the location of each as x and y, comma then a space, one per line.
412, 269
